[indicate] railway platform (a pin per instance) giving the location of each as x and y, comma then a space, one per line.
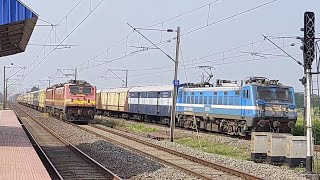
18, 158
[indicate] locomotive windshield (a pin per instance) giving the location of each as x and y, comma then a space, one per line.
74, 89
86, 90
80, 90
274, 94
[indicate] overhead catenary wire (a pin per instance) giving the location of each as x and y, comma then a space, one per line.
169, 40
214, 64
68, 35
33, 65
193, 114
155, 24
283, 51
230, 17
213, 54
188, 32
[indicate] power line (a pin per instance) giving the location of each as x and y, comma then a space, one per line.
217, 64
183, 14
167, 41
83, 20
229, 17
283, 51
161, 22
216, 22
214, 54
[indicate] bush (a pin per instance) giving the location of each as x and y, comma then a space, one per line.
298, 130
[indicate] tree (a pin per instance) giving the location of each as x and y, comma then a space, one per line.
315, 100
35, 88
299, 99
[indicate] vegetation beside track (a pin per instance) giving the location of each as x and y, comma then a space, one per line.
210, 146
137, 127
299, 129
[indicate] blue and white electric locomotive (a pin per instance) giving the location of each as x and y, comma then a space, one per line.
258, 104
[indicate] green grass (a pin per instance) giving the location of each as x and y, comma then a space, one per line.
210, 146
141, 128
299, 129
111, 124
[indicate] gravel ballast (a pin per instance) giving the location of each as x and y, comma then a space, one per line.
120, 161
264, 171
96, 148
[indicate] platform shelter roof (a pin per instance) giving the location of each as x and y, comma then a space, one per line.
17, 22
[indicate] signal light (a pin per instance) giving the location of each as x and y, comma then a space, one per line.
309, 31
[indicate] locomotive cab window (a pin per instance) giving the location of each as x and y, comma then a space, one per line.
86, 90
246, 94
74, 89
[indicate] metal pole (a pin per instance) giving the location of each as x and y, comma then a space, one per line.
4, 87
6, 91
305, 110
126, 77
49, 82
175, 89
309, 125
75, 74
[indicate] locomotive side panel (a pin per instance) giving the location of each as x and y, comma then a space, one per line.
59, 98
49, 97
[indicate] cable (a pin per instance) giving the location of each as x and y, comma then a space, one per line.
232, 16
185, 13
214, 54
66, 36
167, 20
217, 64
284, 51
193, 114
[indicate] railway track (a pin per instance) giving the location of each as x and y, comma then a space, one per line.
316, 147
189, 164
194, 166
67, 160
176, 127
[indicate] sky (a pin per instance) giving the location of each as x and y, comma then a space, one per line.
209, 46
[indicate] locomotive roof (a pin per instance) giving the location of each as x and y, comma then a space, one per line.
152, 88
231, 88
115, 90
234, 88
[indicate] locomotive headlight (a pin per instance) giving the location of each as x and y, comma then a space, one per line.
79, 111
291, 124
70, 111
90, 112
262, 123
276, 123
292, 115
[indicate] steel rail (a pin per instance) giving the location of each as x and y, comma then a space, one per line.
36, 144
194, 159
72, 147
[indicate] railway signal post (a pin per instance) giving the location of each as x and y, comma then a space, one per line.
309, 55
